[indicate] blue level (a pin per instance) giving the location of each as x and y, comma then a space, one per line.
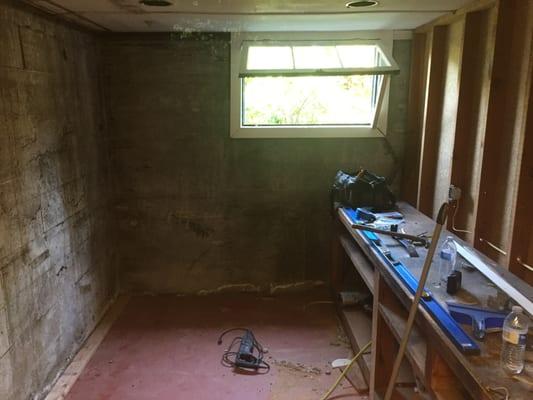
451, 328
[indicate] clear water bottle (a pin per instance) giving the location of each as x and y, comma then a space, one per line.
514, 336
447, 259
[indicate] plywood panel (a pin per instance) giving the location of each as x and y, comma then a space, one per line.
522, 245
454, 52
478, 50
439, 132
504, 136
417, 97
433, 113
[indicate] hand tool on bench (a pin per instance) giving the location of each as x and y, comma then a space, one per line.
409, 247
438, 312
368, 217
407, 244
415, 239
481, 319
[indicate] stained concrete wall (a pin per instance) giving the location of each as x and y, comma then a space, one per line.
198, 210
56, 274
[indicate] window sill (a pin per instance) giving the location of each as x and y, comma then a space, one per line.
304, 132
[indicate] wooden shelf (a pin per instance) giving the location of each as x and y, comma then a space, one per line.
407, 393
416, 348
359, 260
358, 327
431, 359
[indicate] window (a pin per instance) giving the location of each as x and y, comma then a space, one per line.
333, 86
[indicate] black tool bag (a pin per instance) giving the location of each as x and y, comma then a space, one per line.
362, 189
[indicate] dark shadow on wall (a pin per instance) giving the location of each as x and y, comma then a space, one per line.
197, 210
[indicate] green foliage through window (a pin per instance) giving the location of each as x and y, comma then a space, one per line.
309, 100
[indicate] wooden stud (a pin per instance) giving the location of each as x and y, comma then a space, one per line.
505, 130
433, 111
522, 244
439, 129
447, 123
478, 48
457, 14
337, 260
441, 380
417, 91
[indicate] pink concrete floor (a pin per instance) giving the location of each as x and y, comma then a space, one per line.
164, 348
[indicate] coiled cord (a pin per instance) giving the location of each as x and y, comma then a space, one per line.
229, 356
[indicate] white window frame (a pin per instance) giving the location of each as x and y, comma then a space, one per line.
237, 131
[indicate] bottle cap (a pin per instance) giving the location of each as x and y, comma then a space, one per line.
446, 254
517, 309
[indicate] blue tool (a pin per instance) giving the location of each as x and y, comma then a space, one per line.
364, 215
481, 319
453, 330
450, 327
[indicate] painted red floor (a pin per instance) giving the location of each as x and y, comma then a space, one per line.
164, 348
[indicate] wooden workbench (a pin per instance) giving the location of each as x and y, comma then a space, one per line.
433, 366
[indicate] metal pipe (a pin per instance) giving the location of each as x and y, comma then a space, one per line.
493, 246
523, 264
441, 220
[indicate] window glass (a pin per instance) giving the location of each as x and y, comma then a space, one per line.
316, 57
269, 57
297, 58
321, 100
358, 56
304, 84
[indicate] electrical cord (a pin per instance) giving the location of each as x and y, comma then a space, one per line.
219, 341
248, 360
346, 370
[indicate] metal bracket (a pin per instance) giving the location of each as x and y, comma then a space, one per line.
493, 246
523, 264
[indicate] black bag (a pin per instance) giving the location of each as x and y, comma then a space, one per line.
362, 189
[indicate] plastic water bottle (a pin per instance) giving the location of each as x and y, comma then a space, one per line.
448, 256
514, 336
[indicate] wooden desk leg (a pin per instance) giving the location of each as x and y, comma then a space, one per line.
338, 260
384, 346
375, 314
440, 379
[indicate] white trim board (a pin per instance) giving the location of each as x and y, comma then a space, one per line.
495, 277
68, 378
294, 132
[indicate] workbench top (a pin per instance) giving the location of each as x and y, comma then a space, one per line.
477, 372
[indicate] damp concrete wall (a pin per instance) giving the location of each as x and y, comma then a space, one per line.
56, 274
197, 210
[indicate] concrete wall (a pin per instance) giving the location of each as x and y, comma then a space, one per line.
198, 210
56, 275
193, 208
